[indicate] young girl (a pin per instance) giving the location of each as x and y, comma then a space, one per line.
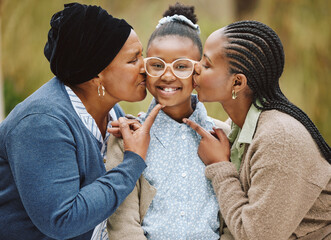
278, 183
176, 201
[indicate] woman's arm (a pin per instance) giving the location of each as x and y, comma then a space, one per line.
279, 180
43, 159
276, 178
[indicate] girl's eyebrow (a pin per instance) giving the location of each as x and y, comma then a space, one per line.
207, 58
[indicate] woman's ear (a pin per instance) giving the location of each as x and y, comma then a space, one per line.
239, 82
97, 80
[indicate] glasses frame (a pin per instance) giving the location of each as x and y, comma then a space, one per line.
169, 65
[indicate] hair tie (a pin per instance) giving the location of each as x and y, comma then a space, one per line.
178, 18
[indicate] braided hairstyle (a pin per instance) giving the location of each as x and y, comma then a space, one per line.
256, 51
179, 28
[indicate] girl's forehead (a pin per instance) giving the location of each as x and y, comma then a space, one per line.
171, 38
174, 45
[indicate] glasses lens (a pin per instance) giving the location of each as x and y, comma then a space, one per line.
183, 68
155, 67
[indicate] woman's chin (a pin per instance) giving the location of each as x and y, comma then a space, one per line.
137, 98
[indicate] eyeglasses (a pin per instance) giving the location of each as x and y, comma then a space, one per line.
182, 68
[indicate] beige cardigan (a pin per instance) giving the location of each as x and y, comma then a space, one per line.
125, 223
283, 189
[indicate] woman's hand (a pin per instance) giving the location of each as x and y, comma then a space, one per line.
137, 139
214, 147
133, 123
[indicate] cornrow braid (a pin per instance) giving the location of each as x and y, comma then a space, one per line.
256, 51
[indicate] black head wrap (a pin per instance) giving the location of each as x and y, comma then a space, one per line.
82, 41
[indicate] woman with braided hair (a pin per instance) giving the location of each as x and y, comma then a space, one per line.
272, 174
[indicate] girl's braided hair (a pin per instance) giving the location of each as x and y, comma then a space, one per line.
256, 51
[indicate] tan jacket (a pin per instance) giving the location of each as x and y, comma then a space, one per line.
125, 223
283, 189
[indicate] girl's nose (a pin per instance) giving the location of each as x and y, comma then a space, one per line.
168, 75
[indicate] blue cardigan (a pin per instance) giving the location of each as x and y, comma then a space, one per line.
53, 183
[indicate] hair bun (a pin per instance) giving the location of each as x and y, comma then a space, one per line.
180, 9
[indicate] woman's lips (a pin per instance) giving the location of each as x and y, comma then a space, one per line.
142, 83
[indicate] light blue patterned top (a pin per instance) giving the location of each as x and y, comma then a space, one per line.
185, 205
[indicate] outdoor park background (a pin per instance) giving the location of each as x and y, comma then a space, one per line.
304, 27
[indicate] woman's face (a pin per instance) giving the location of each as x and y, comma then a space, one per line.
169, 90
124, 78
212, 80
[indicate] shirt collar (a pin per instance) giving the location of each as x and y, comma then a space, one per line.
86, 118
170, 127
247, 132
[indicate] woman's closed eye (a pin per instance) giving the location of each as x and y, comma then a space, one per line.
134, 60
205, 66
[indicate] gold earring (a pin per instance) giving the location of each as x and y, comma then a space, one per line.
234, 94
103, 90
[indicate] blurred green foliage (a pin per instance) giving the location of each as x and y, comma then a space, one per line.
303, 26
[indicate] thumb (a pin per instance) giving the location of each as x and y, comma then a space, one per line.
151, 117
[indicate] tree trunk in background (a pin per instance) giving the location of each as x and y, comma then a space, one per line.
2, 100
244, 7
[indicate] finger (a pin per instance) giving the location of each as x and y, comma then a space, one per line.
129, 121
115, 123
220, 134
196, 127
115, 131
129, 116
151, 117
140, 113
135, 126
213, 133
132, 121
124, 127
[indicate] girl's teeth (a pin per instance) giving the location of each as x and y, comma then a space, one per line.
169, 89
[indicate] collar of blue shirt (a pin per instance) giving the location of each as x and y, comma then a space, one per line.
171, 127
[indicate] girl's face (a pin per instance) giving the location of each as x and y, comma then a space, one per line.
212, 80
124, 78
169, 90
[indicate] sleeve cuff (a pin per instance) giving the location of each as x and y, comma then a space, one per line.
220, 171
135, 159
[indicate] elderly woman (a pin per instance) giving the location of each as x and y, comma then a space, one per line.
52, 145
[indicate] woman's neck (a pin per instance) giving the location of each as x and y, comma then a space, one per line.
237, 110
97, 106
